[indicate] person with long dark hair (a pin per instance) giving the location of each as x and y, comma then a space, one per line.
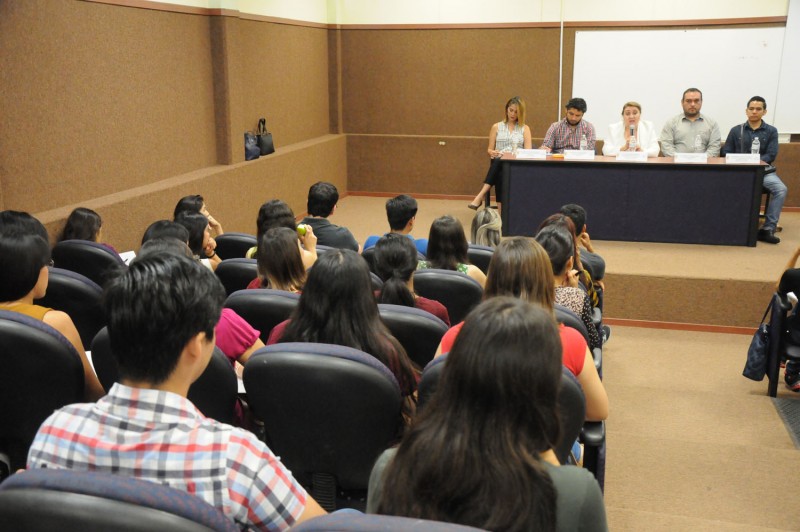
337, 306
277, 213
521, 268
196, 203
280, 265
447, 249
201, 243
395, 263
84, 224
474, 454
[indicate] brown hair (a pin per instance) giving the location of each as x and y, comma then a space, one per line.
521, 268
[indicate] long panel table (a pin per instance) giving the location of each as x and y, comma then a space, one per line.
654, 201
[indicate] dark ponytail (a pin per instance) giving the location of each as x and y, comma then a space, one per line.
395, 262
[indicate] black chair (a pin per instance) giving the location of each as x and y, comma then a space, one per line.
779, 344
89, 259
377, 282
457, 291
42, 500
214, 393
41, 373
571, 320
263, 309
236, 274
328, 412
480, 256
78, 296
234, 245
571, 403
419, 332
356, 522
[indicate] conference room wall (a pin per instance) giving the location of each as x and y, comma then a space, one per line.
105, 106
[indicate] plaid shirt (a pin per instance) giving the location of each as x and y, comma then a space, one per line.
560, 136
161, 437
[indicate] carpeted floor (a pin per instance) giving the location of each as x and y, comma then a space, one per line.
692, 445
789, 410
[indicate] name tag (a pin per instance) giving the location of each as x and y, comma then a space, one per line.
691, 157
639, 156
531, 154
579, 155
742, 158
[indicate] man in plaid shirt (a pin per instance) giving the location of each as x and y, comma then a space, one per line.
161, 317
566, 134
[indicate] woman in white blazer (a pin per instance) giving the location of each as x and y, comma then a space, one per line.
618, 138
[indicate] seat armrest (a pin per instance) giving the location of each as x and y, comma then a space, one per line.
593, 433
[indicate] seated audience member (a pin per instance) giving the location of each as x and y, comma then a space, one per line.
487, 228
166, 229
645, 136
280, 265
196, 203
740, 140
401, 211
558, 243
24, 257
790, 283
161, 317
236, 338
276, 213
200, 241
521, 268
447, 249
337, 306
479, 454
584, 276
568, 133
395, 263
84, 224
594, 262
322, 202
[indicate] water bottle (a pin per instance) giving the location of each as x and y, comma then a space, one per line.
698, 144
584, 142
632, 139
514, 147
755, 147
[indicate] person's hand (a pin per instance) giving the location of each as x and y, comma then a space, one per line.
210, 247
572, 278
585, 241
494, 154
215, 225
309, 240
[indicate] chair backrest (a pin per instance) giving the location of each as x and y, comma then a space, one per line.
234, 245
42, 500
89, 259
214, 393
263, 309
571, 403
328, 412
480, 256
236, 274
458, 292
41, 373
358, 522
419, 332
78, 296
377, 283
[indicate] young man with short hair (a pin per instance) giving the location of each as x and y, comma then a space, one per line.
567, 133
161, 317
740, 140
322, 201
691, 130
401, 212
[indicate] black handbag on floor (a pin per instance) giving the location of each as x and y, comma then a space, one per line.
264, 138
756, 366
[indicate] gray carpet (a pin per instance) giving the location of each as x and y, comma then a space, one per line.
789, 410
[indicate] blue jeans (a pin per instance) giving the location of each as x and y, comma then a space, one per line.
777, 192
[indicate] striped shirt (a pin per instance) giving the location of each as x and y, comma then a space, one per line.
504, 141
561, 136
161, 437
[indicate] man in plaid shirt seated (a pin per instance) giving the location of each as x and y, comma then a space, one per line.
566, 134
161, 317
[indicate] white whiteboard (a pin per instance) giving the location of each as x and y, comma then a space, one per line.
787, 110
654, 67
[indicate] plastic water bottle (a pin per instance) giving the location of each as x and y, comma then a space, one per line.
698, 144
632, 138
514, 147
584, 142
755, 147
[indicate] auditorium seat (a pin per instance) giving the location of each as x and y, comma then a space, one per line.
569, 319
236, 274
89, 259
480, 256
418, 331
234, 245
78, 296
264, 308
458, 292
358, 522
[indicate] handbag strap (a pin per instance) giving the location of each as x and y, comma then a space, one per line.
262, 126
769, 306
